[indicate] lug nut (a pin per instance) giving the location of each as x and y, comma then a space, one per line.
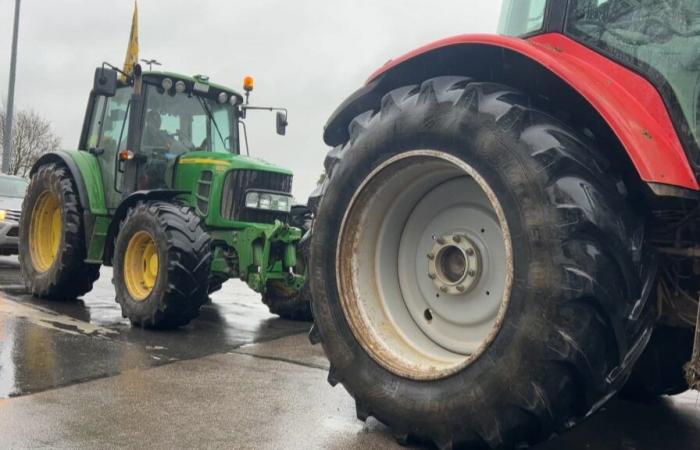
443, 289
461, 288
470, 251
430, 256
431, 276
471, 273
440, 241
456, 238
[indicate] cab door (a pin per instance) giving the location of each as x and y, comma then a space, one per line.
107, 136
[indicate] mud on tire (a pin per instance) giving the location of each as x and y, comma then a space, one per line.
69, 276
577, 315
183, 250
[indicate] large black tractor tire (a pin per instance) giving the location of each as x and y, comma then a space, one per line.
162, 263
286, 302
659, 371
575, 316
52, 237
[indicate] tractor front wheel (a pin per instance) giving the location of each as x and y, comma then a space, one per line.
162, 260
52, 237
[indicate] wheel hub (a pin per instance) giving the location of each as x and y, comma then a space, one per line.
454, 264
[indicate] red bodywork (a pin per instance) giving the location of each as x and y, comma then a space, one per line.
630, 104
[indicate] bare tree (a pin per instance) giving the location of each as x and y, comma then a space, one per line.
32, 136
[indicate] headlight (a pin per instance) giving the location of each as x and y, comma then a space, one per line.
3, 214
265, 201
268, 201
251, 200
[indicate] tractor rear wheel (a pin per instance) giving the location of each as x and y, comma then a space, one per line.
476, 268
162, 260
52, 237
286, 302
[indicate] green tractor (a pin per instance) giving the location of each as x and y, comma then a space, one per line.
159, 189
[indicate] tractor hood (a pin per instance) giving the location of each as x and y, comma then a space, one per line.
221, 162
216, 185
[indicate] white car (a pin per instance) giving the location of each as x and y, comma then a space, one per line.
12, 191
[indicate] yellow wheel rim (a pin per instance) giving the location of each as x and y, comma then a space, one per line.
141, 265
45, 231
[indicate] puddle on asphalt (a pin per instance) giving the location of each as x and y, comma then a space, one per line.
45, 344
50, 319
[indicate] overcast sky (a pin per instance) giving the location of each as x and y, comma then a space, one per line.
306, 55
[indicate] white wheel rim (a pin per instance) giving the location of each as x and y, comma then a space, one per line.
424, 264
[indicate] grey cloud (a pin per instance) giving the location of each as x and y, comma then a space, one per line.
307, 55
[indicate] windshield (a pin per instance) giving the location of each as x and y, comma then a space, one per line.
12, 187
660, 38
178, 123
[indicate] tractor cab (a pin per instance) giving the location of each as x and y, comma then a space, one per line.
656, 39
140, 126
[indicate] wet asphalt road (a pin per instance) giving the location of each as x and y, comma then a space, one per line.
76, 375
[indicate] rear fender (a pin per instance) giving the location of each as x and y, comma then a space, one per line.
84, 169
607, 97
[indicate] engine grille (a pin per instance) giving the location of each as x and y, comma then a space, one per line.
203, 192
236, 184
13, 215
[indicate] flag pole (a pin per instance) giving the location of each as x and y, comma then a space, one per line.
9, 109
132, 49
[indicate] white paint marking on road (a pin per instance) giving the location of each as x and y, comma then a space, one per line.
50, 319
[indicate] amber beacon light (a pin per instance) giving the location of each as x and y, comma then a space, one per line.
248, 83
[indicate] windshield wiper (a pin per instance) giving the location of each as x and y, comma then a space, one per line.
211, 118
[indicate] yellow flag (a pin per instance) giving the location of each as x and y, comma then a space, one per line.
132, 51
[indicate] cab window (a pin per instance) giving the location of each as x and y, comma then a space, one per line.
178, 123
659, 39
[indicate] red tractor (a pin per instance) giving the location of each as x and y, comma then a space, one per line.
508, 233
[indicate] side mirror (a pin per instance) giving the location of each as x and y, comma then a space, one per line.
105, 82
282, 123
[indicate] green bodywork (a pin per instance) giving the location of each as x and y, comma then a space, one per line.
253, 252
253, 242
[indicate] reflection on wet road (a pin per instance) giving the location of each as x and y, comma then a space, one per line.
47, 344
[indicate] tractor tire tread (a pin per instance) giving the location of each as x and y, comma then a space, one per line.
591, 334
72, 277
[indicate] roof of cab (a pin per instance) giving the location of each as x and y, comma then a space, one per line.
193, 79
